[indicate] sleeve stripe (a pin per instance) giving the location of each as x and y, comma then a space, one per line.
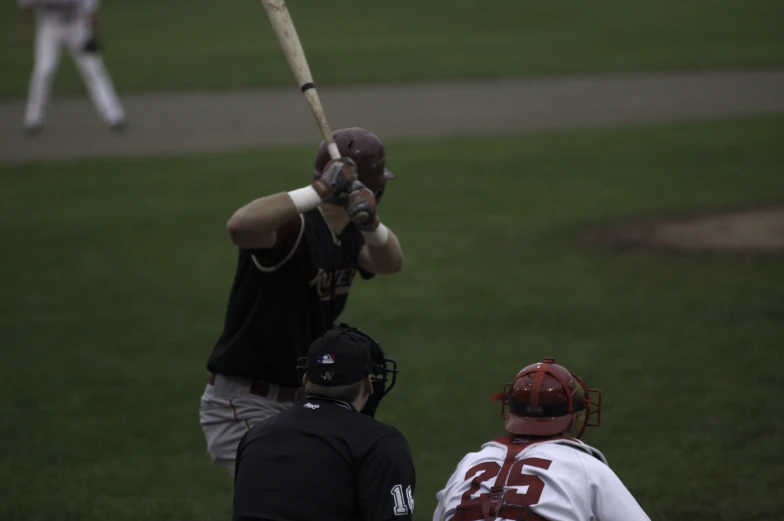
270, 269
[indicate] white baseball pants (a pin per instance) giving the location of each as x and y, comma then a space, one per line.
51, 36
228, 411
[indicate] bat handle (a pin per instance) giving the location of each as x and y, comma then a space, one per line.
332, 148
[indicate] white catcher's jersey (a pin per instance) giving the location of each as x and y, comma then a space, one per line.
560, 479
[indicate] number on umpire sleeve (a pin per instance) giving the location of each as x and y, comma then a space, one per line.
401, 507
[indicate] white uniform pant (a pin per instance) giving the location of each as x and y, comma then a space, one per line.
51, 36
228, 411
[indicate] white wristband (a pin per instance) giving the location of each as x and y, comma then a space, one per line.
305, 199
379, 237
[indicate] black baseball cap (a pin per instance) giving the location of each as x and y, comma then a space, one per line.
340, 357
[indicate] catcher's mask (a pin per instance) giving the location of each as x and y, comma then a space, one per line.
547, 399
345, 355
367, 151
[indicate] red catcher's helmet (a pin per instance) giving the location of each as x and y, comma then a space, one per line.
367, 151
547, 399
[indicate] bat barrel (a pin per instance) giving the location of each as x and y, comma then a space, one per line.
289, 41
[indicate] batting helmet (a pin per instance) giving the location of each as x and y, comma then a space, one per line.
367, 151
547, 399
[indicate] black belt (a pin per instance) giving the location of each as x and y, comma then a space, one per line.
285, 394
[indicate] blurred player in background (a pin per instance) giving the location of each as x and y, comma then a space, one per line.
298, 254
71, 23
540, 470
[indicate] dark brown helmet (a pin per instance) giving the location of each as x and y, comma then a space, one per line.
367, 151
547, 399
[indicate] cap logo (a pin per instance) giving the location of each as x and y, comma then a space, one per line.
325, 359
327, 375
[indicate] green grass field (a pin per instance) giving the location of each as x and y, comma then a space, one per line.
115, 275
204, 44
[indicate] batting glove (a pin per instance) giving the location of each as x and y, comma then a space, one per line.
361, 207
336, 180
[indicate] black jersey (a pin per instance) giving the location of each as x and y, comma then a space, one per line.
284, 298
323, 460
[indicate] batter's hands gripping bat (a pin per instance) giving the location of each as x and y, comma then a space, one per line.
284, 29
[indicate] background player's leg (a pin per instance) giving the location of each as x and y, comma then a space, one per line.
47, 56
226, 413
96, 78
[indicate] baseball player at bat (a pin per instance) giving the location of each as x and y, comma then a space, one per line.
540, 470
70, 23
298, 254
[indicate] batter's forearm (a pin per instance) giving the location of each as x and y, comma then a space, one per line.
253, 225
387, 258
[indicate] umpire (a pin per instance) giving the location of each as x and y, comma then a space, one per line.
322, 459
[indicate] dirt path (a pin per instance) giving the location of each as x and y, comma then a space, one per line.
186, 122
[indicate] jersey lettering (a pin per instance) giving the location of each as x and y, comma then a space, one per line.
518, 479
323, 282
481, 473
472, 507
400, 507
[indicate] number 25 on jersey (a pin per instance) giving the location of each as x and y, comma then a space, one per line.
512, 481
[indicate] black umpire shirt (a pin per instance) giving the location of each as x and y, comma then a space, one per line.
323, 461
284, 298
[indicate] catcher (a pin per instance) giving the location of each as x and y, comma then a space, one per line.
540, 470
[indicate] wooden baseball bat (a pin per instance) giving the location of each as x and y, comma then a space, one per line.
284, 29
